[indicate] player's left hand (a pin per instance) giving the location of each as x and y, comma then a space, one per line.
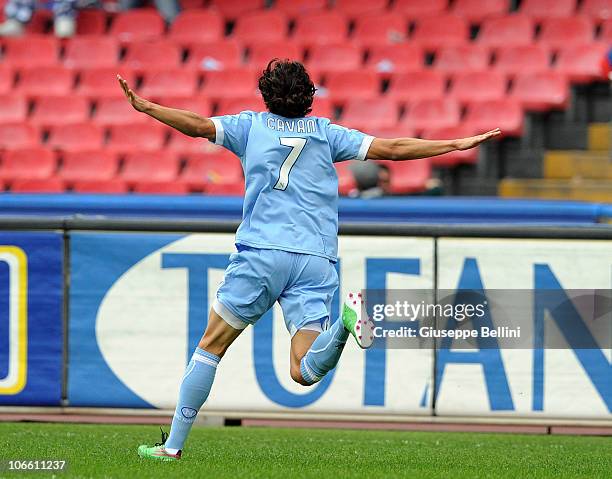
472, 141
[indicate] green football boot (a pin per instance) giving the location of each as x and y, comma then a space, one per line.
158, 451
356, 321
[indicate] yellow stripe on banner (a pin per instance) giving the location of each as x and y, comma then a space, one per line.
20, 258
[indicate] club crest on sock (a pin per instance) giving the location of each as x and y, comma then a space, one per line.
188, 412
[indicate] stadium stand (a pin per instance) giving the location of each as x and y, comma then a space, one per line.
389, 67
418, 85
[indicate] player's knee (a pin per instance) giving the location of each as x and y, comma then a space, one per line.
296, 375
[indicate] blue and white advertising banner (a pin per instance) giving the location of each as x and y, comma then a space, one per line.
139, 304
31, 341
567, 381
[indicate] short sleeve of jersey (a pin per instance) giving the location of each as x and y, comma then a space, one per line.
347, 144
232, 131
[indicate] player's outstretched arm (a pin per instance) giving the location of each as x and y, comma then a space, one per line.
399, 149
184, 121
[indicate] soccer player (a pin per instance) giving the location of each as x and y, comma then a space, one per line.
287, 241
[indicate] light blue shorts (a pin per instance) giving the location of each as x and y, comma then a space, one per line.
303, 284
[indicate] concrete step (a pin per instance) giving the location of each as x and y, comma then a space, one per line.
600, 137
567, 164
576, 189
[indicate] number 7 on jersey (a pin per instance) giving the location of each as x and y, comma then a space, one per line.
296, 145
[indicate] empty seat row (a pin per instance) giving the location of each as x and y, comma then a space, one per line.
576, 60
148, 24
199, 170
213, 54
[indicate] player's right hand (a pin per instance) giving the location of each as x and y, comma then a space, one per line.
140, 104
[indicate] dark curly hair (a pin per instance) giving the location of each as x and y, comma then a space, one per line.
287, 89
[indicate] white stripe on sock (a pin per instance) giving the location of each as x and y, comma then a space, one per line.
204, 359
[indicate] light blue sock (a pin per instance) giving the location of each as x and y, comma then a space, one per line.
194, 390
324, 353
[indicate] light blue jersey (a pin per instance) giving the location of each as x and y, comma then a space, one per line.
291, 199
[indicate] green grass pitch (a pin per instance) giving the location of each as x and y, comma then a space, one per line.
110, 452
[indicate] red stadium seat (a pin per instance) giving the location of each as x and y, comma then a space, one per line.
260, 54
436, 32
160, 188
197, 26
230, 106
197, 104
320, 28
562, 31
397, 131
31, 51
380, 28
505, 114
541, 91
428, 114
102, 82
150, 166
478, 86
229, 83
114, 186
360, 84
269, 26
7, 78
358, 8
137, 25
91, 52
45, 81
389, 59
367, 115
117, 111
186, 144
462, 58
478, 10
522, 59
453, 158
233, 188
91, 21
581, 63
420, 8
40, 22
236, 8
133, 138
606, 31
346, 179
297, 8
147, 55
539, 9
29, 163
418, 85
13, 108
408, 176
215, 56
330, 58
18, 135
88, 165
76, 137
322, 107
507, 31
60, 110
182, 83
597, 9
38, 185
204, 168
